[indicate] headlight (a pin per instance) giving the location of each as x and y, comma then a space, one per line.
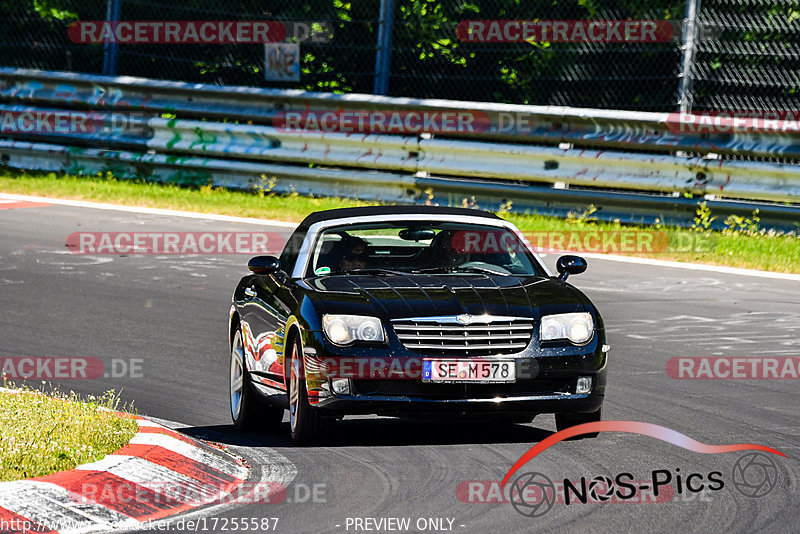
344, 329
577, 327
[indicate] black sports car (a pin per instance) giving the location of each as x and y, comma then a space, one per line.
411, 311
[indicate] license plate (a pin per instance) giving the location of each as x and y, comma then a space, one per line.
468, 371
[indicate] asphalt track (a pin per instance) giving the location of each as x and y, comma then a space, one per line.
171, 312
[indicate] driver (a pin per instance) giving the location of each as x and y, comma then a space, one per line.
353, 253
444, 252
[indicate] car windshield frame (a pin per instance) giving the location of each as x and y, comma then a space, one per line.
303, 265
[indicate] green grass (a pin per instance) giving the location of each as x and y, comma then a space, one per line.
746, 248
42, 434
150, 194
762, 251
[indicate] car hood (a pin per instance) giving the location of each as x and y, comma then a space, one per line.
395, 297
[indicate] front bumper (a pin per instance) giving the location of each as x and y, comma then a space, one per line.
546, 379
409, 398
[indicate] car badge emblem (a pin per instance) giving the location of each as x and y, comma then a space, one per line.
464, 319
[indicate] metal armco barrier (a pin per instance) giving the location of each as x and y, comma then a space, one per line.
391, 152
202, 171
631, 166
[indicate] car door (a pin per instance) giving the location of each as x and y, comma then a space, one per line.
269, 304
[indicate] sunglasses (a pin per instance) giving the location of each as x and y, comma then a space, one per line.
355, 257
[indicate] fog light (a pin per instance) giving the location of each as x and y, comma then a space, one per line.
341, 386
584, 385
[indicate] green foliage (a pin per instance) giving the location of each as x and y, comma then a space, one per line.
427, 59
703, 218
55, 9
583, 218
44, 433
742, 225
265, 185
505, 208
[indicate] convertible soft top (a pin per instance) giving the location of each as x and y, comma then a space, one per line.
342, 213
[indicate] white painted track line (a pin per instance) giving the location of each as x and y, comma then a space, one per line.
148, 211
284, 224
693, 266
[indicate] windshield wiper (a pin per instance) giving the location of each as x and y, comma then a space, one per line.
375, 271
485, 270
456, 268
434, 270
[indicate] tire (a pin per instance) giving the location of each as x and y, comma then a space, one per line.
568, 420
248, 411
306, 425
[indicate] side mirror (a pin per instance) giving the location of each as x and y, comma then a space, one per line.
264, 265
568, 265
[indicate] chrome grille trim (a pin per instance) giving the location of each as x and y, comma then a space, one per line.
470, 348
485, 335
453, 319
460, 328
458, 337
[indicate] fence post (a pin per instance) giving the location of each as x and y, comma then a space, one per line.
689, 44
110, 49
384, 55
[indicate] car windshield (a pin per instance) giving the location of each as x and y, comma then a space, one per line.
424, 247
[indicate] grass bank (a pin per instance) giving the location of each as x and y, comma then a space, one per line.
742, 245
45, 433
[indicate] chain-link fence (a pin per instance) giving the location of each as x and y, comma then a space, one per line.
744, 55
751, 59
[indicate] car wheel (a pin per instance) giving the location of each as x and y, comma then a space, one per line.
305, 422
568, 420
248, 412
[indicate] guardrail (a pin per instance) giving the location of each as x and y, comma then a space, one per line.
632, 166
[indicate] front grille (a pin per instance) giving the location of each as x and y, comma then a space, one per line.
416, 388
445, 336
411, 388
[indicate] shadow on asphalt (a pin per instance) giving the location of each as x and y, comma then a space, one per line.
383, 432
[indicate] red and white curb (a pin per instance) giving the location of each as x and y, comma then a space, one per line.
126, 488
9, 204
